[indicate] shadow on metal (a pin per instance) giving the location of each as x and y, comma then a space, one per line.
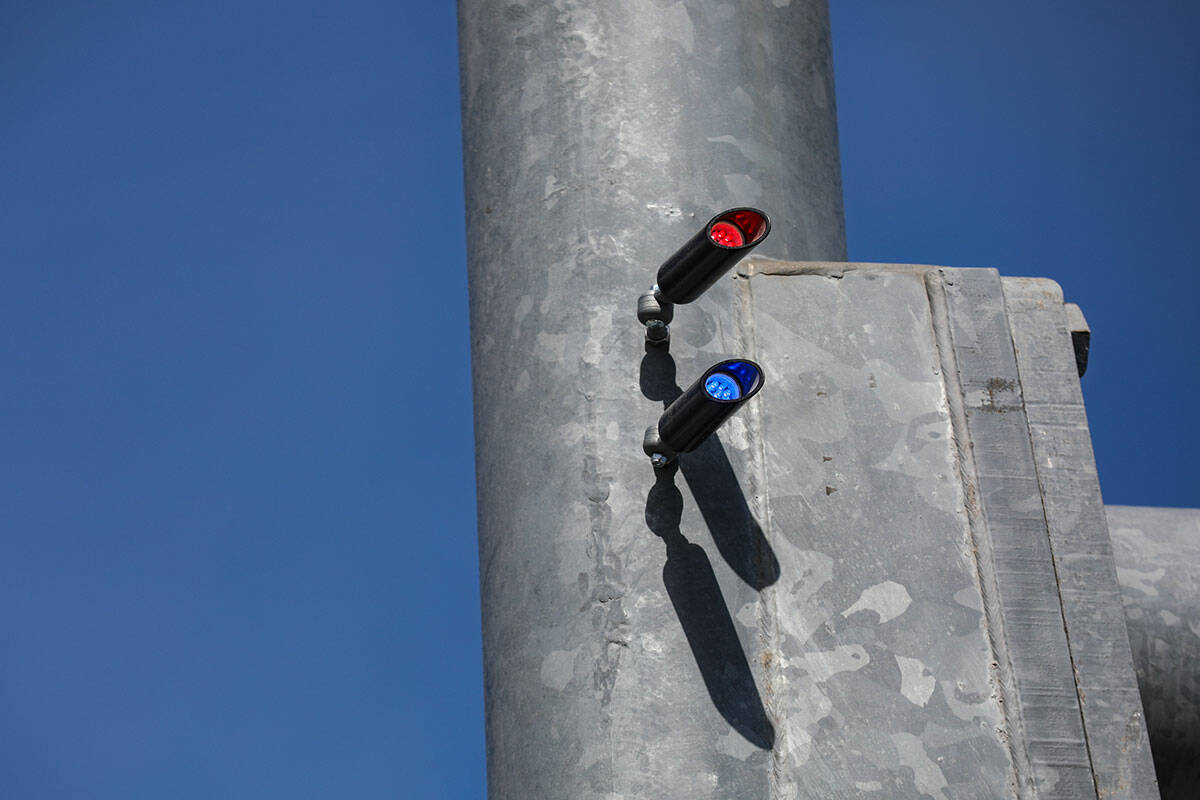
696, 596
713, 484
1177, 768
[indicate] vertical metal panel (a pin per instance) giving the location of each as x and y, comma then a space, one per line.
880, 662
1032, 645
1091, 601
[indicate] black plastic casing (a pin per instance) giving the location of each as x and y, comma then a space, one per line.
695, 414
701, 262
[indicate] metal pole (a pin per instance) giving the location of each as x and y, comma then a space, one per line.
597, 136
1157, 554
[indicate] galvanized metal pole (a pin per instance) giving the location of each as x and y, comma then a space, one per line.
597, 137
1157, 554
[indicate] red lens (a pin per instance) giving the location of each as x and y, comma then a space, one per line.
741, 227
751, 223
726, 234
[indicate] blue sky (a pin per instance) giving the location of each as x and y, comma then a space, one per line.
237, 553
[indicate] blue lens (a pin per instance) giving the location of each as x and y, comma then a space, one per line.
722, 386
746, 373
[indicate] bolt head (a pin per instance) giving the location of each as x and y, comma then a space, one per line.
658, 460
657, 330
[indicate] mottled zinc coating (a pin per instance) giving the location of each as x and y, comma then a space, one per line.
1083, 557
796, 611
878, 666
1158, 564
1009, 531
598, 136
850, 593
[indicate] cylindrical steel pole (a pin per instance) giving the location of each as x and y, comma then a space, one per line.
598, 136
1157, 553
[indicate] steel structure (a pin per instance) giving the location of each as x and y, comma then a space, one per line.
890, 575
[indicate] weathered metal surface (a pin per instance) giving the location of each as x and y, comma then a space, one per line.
850, 592
597, 138
874, 643
1083, 560
1011, 537
1158, 565
812, 604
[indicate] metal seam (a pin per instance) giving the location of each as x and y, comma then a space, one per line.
977, 525
768, 612
1038, 471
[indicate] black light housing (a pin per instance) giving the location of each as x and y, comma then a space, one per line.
726, 239
701, 409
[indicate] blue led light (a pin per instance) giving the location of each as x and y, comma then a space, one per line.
722, 386
747, 374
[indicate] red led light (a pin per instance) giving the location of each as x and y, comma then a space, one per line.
741, 227
726, 234
751, 223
